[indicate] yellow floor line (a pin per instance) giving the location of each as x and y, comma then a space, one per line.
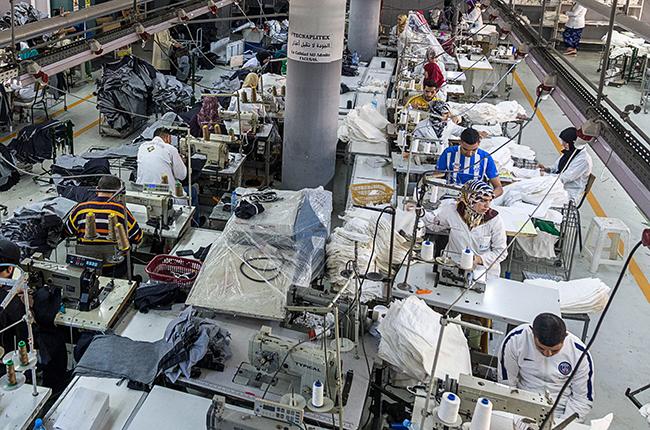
59, 112
634, 268
86, 128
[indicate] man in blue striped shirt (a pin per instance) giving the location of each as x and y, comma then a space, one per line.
466, 161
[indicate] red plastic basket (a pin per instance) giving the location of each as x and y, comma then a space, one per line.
169, 268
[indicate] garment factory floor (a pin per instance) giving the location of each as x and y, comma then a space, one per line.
618, 353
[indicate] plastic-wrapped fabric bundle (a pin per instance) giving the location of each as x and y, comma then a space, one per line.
170, 94
488, 113
363, 124
577, 296
23, 13
252, 265
409, 334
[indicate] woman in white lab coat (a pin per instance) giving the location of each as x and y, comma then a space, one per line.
474, 16
474, 225
574, 166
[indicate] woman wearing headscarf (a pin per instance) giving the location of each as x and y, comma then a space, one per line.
439, 125
574, 166
472, 224
207, 115
246, 101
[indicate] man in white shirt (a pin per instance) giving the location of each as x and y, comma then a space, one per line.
158, 158
541, 357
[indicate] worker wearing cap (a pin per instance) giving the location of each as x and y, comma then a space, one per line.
574, 166
540, 357
14, 311
466, 161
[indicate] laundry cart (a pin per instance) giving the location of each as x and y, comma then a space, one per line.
645, 86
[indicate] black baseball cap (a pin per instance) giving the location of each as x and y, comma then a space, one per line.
9, 252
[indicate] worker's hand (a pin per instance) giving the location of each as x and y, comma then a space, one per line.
483, 134
523, 423
478, 260
541, 167
177, 45
456, 119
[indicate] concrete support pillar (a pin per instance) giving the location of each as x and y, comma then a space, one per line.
363, 30
316, 32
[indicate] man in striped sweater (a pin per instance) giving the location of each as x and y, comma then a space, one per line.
106, 203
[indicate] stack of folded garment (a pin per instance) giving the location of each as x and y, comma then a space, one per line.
170, 94
363, 124
579, 296
409, 334
534, 191
488, 113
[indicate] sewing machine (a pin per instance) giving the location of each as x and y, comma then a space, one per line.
78, 279
265, 415
301, 364
249, 120
160, 206
450, 274
215, 149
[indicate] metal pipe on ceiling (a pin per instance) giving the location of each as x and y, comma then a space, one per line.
50, 25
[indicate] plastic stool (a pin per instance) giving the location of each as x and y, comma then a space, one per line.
604, 228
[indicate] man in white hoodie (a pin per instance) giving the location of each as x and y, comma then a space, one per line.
540, 357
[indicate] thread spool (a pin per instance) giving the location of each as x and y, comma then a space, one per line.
217, 129
179, 189
449, 407
164, 180
206, 132
90, 231
415, 145
317, 394
482, 417
379, 312
283, 90
274, 91
401, 137
112, 222
467, 259
11, 372
22, 353
426, 147
433, 195
231, 133
122, 240
403, 117
427, 251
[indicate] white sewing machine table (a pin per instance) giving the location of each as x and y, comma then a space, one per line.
104, 316
151, 327
504, 300
19, 408
123, 401
174, 232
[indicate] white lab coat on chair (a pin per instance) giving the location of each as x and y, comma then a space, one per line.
488, 240
576, 174
521, 365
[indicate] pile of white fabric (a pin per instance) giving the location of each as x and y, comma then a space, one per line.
409, 334
578, 296
623, 43
372, 85
488, 113
364, 124
533, 190
645, 412
359, 227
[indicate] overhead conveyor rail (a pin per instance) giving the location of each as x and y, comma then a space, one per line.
58, 59
627, 157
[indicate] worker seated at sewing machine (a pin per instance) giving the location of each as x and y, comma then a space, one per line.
466, 161
208, 116
440, 126
52, 356
98, 226
475, 230
213, 146
429, 94
540, 357
248, 98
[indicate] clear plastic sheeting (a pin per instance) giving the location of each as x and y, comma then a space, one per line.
252, 265
409, 335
